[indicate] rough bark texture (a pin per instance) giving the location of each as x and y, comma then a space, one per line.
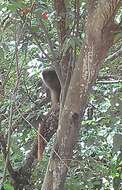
62, 29
99, 37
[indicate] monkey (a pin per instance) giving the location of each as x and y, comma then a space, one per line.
52, 82
50, 79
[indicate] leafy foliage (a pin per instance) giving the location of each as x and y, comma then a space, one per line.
29, 42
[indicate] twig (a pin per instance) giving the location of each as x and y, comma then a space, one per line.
28, 94
42, 138
39, 46
12, 100
48, 39
6, 78
8, 140
109, 81
36, 38
114, 55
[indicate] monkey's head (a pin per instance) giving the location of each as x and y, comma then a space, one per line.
51, 81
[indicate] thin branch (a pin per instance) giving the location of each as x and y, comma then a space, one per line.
4, 151
109, 82
114, 55
44, 139
9, 70
39, 46
12, 100
35, 36
37, 104
8, 141
28, 94
48, 39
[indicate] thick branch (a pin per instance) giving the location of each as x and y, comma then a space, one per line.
61, 19
62, 29
98, 41
104, 11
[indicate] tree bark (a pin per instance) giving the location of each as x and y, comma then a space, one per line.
99, 32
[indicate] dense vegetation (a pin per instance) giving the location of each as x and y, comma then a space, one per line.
29, 43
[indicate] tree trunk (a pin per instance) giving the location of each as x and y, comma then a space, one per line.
99, 38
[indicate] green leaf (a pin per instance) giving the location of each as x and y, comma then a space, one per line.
2, 6
1, 53
118, 37
72, 43
14, 6
7, 186
66, 45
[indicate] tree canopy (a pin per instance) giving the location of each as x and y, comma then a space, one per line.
79, 141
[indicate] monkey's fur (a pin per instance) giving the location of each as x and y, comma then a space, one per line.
51, 81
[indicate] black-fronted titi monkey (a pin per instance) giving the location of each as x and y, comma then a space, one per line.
51, 81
